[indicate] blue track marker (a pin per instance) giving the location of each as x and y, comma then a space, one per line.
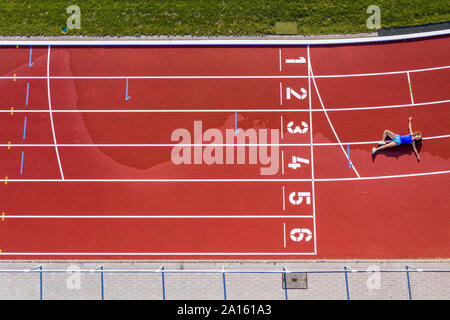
409, 283
24, 127
235, 123
285, 284
350, 164
102, 283
346, 283
163, 285
28, 92
40, 283
224, 286
126, 93
30, 64
21, 164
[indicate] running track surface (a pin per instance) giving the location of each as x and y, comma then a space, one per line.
85, 149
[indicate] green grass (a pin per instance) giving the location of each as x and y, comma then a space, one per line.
212, 17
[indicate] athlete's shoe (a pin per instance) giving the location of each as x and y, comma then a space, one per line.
374, 150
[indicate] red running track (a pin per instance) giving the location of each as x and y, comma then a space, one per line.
86, 152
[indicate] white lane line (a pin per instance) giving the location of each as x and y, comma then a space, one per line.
386, 107
231, 180
382, 73
51, 115
150, 77
153, 180
228, 77
282, 162
388, 177
284, 199
437, 137
135, 145
328, 118
408, 105
281, 127
12, 216
284, 235
280, 59
281, 94
155, 253
311, 137
410, 88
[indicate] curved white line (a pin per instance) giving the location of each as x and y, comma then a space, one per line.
231, 180
386, 107
328, 118
389, 177
380, 73
51, 115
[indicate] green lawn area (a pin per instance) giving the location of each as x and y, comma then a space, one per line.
212, 17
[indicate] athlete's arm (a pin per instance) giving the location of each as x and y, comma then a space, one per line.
415, 150
410, 126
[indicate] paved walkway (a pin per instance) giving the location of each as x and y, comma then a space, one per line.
139, 280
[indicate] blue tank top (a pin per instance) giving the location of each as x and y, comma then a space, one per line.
406, 139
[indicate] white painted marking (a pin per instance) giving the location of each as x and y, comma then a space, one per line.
410, 88
13, 216
232, 180
281, 127
279, 54
296, 162
300, 196
297, 234
299, 60
154, 254
50, 113
297, 129
114, 145
312, 152
374, 74
227, 110
281, 94
290, 91
227, 77
329, 121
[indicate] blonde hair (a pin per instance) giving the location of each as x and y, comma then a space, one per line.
418, 133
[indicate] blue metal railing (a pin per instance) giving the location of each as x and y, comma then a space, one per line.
101, 270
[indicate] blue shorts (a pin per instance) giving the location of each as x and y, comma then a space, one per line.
397, 139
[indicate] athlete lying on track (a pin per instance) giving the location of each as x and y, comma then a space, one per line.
412, 137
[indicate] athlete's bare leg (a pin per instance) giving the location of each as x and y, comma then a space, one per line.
389, 145
389, 134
